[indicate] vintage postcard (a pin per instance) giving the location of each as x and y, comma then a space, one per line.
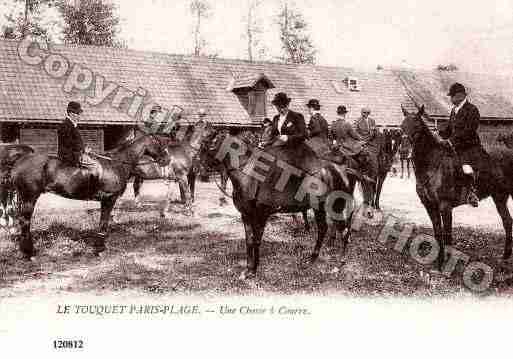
258, 177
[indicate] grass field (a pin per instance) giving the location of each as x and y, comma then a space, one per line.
205, 254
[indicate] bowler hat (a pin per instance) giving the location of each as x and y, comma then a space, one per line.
266, 120
75, 107
456, 88
281, 99
341, 110
156, 108
314, 104
202, 112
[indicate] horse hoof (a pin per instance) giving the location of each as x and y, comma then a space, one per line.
247, 274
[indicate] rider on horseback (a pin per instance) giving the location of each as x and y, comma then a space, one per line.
70, 144
348, 142
460, 135
317, 129
288, 127
72, 152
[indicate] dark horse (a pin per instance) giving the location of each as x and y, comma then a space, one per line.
257, 195
506, 139
34, 174
387, 146
437, 172
9, 154
181, 167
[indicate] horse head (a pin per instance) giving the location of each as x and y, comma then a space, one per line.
413, 125
153, 146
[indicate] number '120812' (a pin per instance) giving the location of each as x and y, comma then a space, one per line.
68, 344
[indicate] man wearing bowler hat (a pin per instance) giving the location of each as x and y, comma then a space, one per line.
70, 143
288, 127
317, 129
460, 134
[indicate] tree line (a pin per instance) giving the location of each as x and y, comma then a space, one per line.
97, 22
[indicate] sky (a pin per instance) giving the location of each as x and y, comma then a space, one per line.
475, 35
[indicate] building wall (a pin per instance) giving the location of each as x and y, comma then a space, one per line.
43, 138
489, 131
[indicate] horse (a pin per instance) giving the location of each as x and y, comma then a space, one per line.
437, 171
506, 139
181, 168
257, 196
388, 144
251, 139
9, 154
36, 173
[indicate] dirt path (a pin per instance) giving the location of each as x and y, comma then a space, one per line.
206, 253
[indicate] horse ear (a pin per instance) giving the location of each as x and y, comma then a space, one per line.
405, 113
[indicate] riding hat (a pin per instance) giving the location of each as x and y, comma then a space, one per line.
281, 99
314, 103
75, 107
341, 110
456, 88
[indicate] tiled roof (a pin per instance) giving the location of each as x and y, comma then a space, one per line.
492, 94
28, 93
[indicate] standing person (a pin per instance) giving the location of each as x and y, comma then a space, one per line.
70, 143
365, 126
405, 149
317, 129
460, 134
288, 127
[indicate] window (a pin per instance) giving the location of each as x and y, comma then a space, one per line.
353, 84
257, 102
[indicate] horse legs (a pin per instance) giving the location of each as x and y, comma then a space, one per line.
322, 227
254, 227
502, 207
436, 220
138, 181
183, 183
305, 219
379, 187
224, 183
191, 178
446, 211
25, 242
107, 205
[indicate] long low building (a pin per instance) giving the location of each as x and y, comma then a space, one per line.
117, 87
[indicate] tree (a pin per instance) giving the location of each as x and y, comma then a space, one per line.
200, 10
253, 31
295, 39
90, 22
448, 68
25, 19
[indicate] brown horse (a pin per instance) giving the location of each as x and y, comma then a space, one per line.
257, 195
506, 139
34, 174
181, 167
438, 173
388, 145
9, 154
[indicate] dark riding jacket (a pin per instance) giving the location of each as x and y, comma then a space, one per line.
461, 131
318, 134
70, 143
294, 127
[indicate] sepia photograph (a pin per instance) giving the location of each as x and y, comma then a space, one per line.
256, 177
